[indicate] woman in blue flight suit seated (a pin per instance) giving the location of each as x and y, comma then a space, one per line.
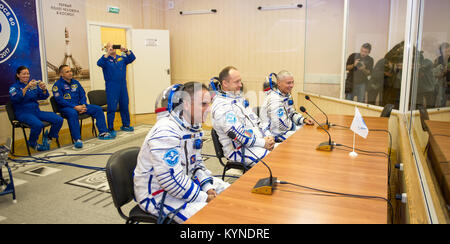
25, 95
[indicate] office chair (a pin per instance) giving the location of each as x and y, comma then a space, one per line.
219, 154
98, 97
81, 117
119, 172
386, 113
16, 124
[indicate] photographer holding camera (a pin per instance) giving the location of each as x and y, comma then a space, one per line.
359, 68
115, 73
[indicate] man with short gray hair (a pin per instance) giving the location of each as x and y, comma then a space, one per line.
278, 114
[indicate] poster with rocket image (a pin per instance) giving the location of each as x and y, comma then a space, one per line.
19, 43
66, 37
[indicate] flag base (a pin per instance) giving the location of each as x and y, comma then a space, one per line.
353, 154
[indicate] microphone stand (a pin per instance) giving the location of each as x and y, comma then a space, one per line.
324, 146
264, 186
327, 125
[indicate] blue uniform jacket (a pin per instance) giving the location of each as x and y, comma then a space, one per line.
115, 69
69, 94
29, 102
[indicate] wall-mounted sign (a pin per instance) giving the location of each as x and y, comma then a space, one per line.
66, 38
153, 42
19, 43
113, 10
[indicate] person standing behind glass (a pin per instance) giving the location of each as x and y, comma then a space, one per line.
25, 95
359, 67
115, 73
426, 82
376, 83
392, 86
442, 74
393, 69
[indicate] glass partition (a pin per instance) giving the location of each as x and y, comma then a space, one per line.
428, 113
359, 58
367, 44
431, 63
323, 47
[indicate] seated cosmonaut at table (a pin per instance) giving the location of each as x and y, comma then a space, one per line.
170, 179
277, 113
231, 115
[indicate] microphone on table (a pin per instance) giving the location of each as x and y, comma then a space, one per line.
263, 186
325, 146
327, 125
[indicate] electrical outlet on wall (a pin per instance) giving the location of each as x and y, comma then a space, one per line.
170, 4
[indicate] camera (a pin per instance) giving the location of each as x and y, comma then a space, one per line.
116, 47
359, 65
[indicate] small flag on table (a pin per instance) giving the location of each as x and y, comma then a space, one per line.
359, 125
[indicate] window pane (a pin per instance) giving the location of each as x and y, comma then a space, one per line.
323, 48
367, 46
431, 74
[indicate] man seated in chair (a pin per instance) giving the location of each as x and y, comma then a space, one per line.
232, 117
278, 114
170, 179
71, 99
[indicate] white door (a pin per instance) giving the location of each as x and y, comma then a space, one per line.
151, 70
95, 52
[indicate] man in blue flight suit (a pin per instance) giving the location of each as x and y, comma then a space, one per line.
71, 99
115, 73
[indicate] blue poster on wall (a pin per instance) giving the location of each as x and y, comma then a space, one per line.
19, 43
